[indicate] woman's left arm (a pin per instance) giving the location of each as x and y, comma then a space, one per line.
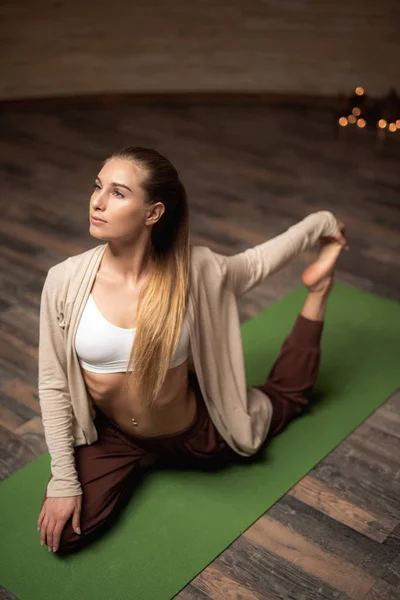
247, 269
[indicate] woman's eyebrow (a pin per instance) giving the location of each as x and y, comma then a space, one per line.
118, 184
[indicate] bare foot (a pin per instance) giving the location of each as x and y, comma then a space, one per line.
318, 277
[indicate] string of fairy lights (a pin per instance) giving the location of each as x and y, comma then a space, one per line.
363, 111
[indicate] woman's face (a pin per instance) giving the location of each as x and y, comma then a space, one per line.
118, 199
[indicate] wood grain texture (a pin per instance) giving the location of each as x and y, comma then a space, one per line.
320, 496
282, 541
209, 45
250, 173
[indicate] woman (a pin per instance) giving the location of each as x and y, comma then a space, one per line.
110, 406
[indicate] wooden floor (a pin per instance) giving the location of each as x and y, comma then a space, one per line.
251, 172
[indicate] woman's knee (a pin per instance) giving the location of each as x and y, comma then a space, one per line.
70, 541
97, 516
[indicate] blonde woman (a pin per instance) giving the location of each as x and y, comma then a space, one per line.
140, 350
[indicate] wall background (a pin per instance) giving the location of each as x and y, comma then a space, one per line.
61, 48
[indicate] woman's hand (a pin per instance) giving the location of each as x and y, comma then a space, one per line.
339, 236
53, 517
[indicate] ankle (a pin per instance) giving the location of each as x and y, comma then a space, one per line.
319, 295
315, 306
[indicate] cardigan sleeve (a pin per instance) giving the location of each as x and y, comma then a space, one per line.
247, 269
54, 396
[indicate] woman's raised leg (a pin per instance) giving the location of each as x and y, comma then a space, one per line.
292, 377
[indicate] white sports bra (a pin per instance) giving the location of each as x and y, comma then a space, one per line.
105, 348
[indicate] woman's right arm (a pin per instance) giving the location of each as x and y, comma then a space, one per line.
54, 396
249, 268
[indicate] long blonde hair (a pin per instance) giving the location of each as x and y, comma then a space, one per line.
163, 299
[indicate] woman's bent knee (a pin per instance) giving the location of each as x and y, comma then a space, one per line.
92, 527
70, 541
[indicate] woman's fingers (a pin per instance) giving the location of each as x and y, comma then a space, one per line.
53, 517
77, 515
43, 530
341, 239
58, 529
340, 235
50, 534
40, 518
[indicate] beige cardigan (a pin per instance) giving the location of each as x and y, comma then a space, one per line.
241, 414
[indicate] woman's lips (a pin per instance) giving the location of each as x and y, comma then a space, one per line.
97, 221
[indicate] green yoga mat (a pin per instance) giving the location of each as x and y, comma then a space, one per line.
179, 521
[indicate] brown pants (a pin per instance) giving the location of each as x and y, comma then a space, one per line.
109, 468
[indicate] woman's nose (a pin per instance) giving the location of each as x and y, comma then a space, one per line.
99, 200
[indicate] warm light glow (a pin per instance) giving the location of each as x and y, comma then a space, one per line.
356, 111
392, 127
382, 123
343, 121
398, 123
352, 119
361, 122
359, 91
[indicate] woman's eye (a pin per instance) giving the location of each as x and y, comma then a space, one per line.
97, 187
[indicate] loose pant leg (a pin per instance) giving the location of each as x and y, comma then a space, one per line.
292, 377
107, 471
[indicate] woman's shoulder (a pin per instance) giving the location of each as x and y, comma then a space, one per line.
66, 268
200, 256
206, 263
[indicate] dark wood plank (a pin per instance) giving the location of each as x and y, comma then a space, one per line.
264, 572
332, 535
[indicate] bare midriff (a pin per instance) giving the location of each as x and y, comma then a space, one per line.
174, 409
